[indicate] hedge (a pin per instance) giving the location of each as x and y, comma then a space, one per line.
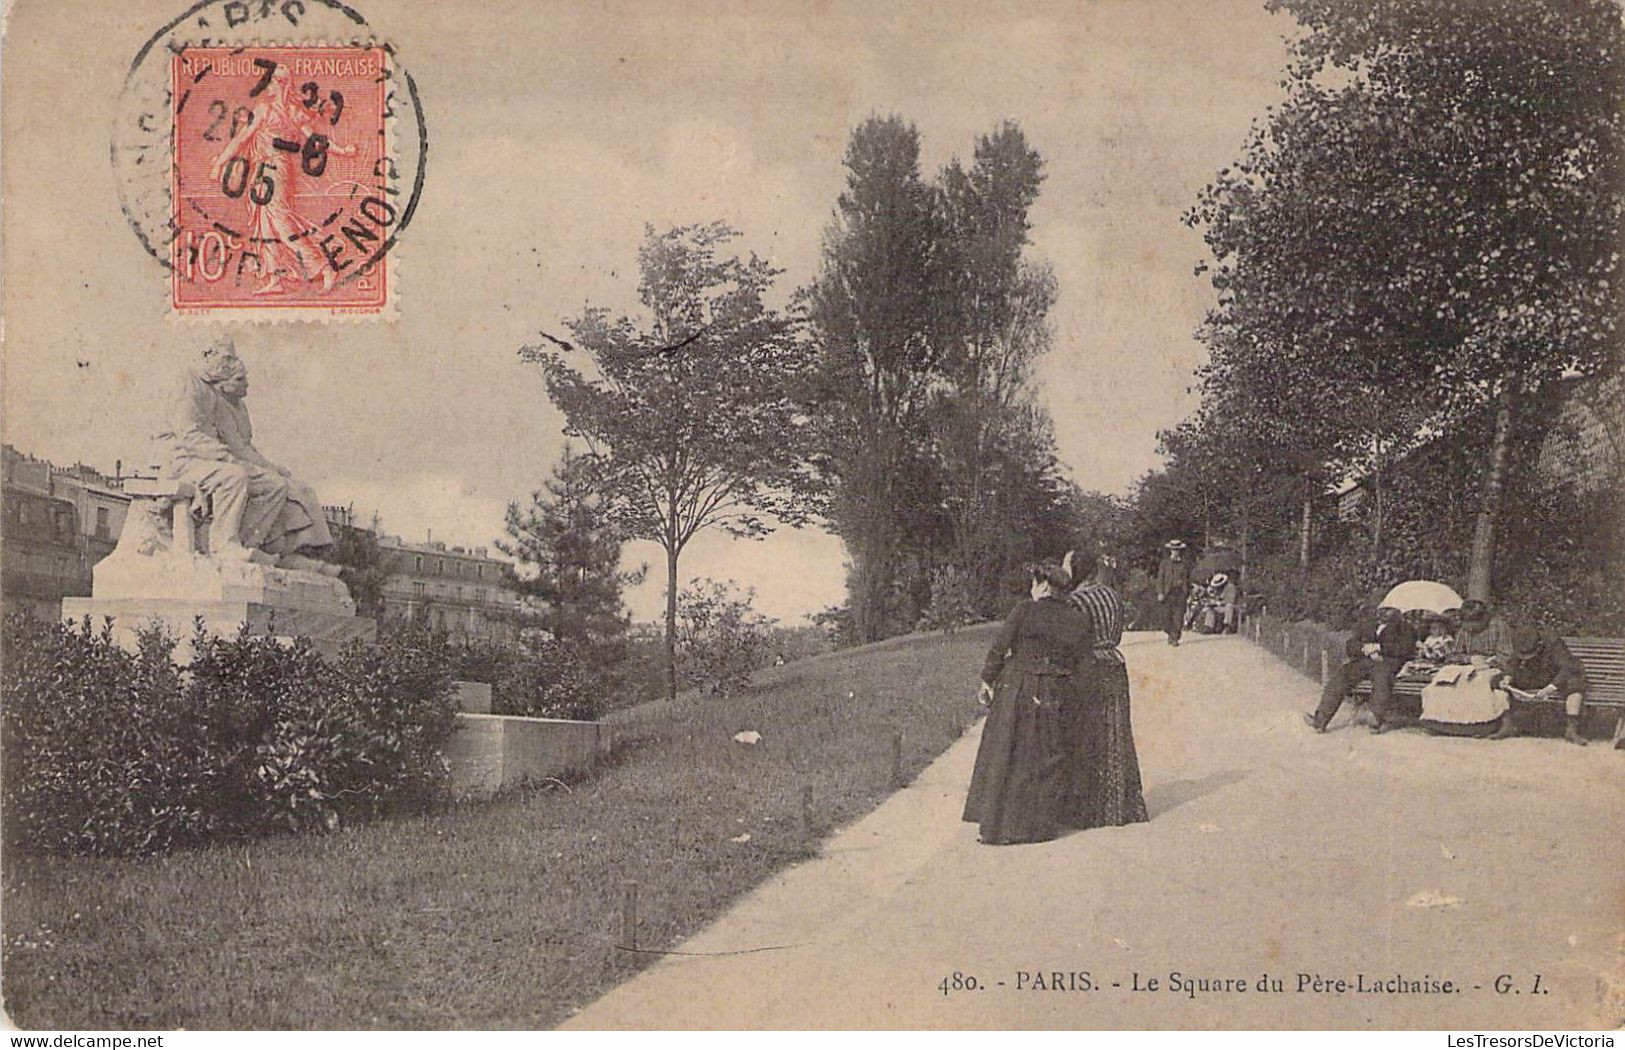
111, 752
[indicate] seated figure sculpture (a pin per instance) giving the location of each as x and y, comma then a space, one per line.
259, 511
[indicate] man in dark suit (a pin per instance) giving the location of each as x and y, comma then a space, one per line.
1545, 667
1173, 585
1379, 647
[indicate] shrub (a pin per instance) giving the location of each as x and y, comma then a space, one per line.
798, 643
101, 754
721, 639
950, 606
838, 625
546, 680
1561, 557
539, 679
111, 752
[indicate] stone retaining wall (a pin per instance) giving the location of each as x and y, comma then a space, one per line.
492, 753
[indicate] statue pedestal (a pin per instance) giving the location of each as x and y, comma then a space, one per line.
174, 589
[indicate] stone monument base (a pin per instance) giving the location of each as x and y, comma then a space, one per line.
175, 589
328, 631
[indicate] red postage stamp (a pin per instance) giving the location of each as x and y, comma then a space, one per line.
282, 188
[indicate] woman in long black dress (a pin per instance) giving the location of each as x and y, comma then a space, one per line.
1031, 680
1105, 788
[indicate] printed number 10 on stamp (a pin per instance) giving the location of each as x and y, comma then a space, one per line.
282, 188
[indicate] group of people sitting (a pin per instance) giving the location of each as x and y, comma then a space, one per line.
1214, 607
1482, 675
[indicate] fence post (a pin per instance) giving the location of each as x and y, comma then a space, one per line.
629, 914
897, 760
1325, 669
1306, 654
806, 812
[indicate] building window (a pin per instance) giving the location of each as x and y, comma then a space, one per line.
481, 572
479, 595
417, 560
417, 589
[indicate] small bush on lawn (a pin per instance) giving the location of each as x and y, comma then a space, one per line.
721, 640
544, 680
537, 679
111, 752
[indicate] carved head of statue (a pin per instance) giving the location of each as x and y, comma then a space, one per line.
219, 365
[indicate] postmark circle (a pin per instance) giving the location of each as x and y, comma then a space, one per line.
269, 154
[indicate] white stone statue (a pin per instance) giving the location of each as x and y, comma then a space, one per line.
258, 512
253, 569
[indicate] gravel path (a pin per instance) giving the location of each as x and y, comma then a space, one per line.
1272, 853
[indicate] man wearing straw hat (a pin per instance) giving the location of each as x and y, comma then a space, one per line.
1173, 583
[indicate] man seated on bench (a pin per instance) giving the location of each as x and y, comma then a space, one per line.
1381, 644
1223, 612
1545, 668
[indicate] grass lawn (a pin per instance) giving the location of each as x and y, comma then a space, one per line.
498, 915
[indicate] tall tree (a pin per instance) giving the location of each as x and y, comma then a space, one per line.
993, 308
567, 539
688, 416
365, 568
1456, 174
871, 318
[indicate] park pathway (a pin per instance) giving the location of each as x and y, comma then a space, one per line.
1271, 851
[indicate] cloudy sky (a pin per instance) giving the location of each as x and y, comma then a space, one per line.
557, 131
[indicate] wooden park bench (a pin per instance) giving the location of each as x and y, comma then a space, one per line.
1604, 663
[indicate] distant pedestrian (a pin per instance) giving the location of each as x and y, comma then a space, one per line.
1173, 585
1032, 679
1106, 773
1110, 573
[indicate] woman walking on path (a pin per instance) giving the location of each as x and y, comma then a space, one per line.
1032, 680
1106, 773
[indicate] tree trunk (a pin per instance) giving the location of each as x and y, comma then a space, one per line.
1378, 507
1480, 573
1246, 537
671, 622
876, 581
1306, 526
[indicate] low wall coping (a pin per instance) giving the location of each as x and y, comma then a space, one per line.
528, 718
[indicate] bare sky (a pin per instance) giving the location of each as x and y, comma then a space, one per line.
556, 131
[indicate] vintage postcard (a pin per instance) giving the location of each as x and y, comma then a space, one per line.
1058, 514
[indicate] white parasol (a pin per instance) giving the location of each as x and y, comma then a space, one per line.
1422, 594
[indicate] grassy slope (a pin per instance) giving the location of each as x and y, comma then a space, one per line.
505, 914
